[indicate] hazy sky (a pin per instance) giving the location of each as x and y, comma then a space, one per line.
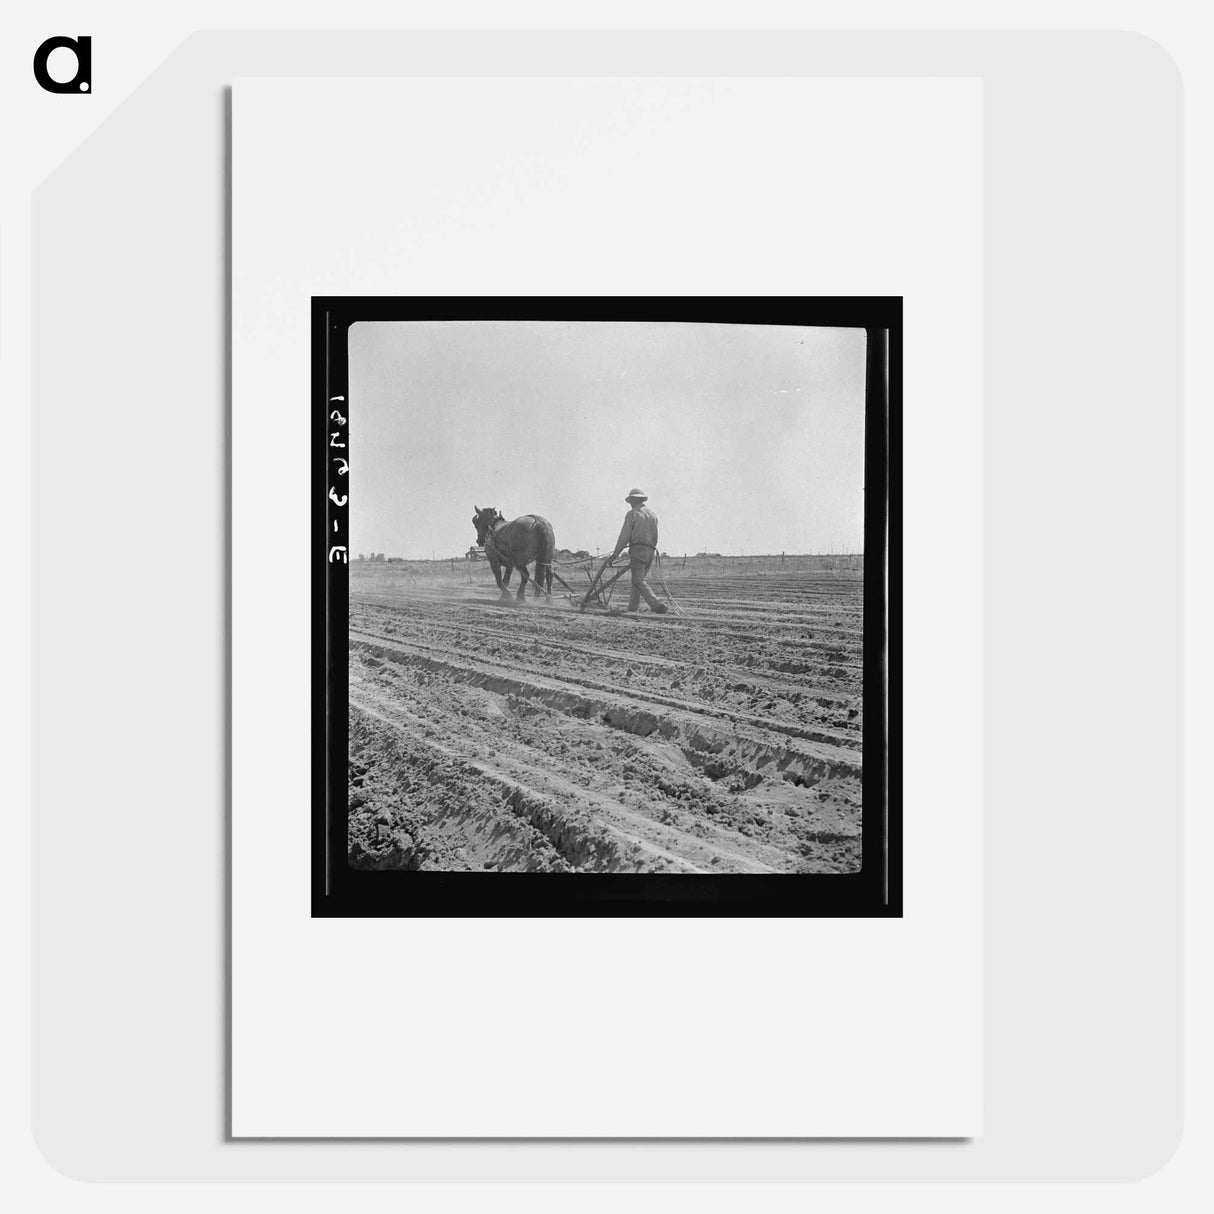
746, 438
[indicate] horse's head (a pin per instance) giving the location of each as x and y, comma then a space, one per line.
483, 521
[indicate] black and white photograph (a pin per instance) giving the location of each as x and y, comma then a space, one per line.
615, 676
600, 593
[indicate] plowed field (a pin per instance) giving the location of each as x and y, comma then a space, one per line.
492, 736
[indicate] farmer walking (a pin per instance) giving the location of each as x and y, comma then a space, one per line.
640, 536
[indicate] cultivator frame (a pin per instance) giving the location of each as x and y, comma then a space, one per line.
594, 594
597, 595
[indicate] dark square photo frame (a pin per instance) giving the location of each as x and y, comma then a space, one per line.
875, 890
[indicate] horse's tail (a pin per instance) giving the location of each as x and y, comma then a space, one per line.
544, 554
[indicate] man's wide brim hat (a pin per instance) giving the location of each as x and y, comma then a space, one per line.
636, 495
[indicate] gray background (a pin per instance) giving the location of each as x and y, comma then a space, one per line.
1082, 616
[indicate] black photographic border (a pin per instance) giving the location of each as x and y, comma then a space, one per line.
874, 891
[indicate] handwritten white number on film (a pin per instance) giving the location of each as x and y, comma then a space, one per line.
338, 551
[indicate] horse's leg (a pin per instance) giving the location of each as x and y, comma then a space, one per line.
522, 584
495, 565
547, 553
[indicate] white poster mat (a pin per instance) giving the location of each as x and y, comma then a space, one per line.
635, 1028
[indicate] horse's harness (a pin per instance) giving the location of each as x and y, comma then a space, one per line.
491, 534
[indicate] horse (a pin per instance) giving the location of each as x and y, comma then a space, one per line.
514, 545
501, 565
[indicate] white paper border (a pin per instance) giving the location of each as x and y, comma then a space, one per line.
595, 1027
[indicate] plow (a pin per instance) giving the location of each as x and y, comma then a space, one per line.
597, 594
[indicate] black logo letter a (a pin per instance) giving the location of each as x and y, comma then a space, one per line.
82, 48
